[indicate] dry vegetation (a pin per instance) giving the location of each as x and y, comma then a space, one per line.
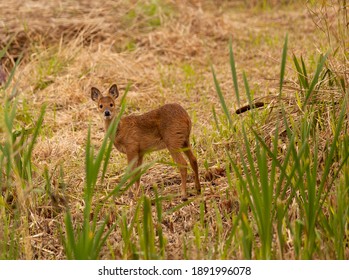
164, 49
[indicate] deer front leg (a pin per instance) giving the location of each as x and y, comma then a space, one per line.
139, 163
135, 159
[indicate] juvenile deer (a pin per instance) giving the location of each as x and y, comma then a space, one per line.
166, 127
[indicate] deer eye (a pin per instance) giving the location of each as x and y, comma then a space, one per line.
111, 105
101, 106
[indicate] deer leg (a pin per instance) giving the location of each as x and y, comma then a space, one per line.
134, 159
194, 165
182, 165
139, 163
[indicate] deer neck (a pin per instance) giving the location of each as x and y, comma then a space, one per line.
107, 123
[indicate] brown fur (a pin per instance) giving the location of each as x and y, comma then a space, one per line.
166, 127
249, 107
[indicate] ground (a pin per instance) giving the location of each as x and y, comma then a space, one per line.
165, 51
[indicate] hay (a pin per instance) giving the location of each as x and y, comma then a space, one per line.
98, 43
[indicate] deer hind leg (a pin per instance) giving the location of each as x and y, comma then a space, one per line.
182, 165
194, 165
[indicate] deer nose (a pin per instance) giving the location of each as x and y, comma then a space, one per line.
107, 113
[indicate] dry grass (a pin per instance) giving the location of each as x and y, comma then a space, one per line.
165, 54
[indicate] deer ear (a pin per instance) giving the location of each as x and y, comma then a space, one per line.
113, 91
95, 94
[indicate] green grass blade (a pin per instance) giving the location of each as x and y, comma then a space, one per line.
233, 71
221, 98
305, 75
315, 80
12, 73
283, 63
70, 239
38, 126
247, 89
300, 73
4, 49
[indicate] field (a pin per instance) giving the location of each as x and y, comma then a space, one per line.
275, 179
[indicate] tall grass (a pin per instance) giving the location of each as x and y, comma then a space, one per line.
304, 178
86, 241
17, 169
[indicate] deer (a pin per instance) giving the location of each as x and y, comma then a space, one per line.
167, 127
